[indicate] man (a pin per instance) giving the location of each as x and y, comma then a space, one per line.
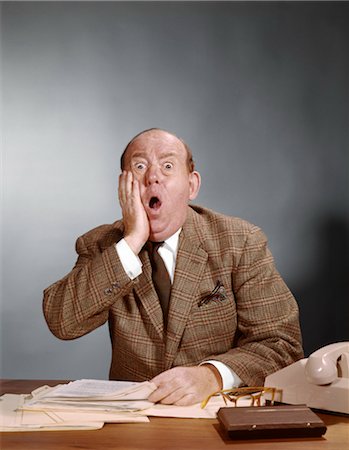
230, 319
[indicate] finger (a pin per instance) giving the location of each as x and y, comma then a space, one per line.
166, 388
122, 187
159, 394
186, 400
125, 187
173, 398
159, 379
129, 185
170, 386
135, 189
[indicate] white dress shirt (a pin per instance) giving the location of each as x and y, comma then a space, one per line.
168, 252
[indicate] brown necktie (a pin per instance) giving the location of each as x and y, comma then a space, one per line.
161, 278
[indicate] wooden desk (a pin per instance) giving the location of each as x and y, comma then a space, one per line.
161, 433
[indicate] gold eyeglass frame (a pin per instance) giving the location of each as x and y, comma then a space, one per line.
254, 392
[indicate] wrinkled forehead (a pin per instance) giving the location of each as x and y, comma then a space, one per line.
155, 142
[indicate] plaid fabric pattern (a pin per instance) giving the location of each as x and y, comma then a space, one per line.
252, 325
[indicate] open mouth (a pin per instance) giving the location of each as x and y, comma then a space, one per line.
154, 203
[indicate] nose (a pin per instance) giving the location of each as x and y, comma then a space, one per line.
152, 175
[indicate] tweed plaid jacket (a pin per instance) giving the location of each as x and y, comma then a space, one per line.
228, 302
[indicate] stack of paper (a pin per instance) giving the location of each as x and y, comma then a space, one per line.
93, 395
82, 404
88, 404
14, 418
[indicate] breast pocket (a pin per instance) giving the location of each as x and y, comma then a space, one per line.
213, 321
217, 315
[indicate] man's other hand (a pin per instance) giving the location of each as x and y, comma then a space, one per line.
135, 218
184, 386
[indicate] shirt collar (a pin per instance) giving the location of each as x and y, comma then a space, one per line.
172, 242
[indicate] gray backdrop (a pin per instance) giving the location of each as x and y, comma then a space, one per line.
260, 93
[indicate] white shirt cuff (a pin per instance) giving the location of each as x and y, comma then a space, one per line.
229, 378
130, 262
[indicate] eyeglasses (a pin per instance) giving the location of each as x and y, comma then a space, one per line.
254, 393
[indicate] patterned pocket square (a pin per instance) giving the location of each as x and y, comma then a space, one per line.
218, 294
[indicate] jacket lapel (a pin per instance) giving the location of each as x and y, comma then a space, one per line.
144, 288
190, 265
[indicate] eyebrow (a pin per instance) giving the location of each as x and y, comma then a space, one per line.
138, 155
144, 155
169, 155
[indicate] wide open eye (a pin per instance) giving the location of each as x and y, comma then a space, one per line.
139, 166
168, 165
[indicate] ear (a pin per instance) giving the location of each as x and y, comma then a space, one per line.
194, 184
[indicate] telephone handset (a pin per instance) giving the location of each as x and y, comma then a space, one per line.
320, 381
328, 363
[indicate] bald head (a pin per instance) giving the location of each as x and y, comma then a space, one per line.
157, 132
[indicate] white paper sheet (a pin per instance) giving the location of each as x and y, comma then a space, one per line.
193, 411
96, 390
14, 418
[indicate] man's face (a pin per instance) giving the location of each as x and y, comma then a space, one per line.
158, 160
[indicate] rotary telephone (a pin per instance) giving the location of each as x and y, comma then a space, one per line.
320, 381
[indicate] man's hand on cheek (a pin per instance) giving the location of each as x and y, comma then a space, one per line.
184, 386
133, 213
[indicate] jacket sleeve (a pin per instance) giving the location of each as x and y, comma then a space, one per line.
79, 303
268, 333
